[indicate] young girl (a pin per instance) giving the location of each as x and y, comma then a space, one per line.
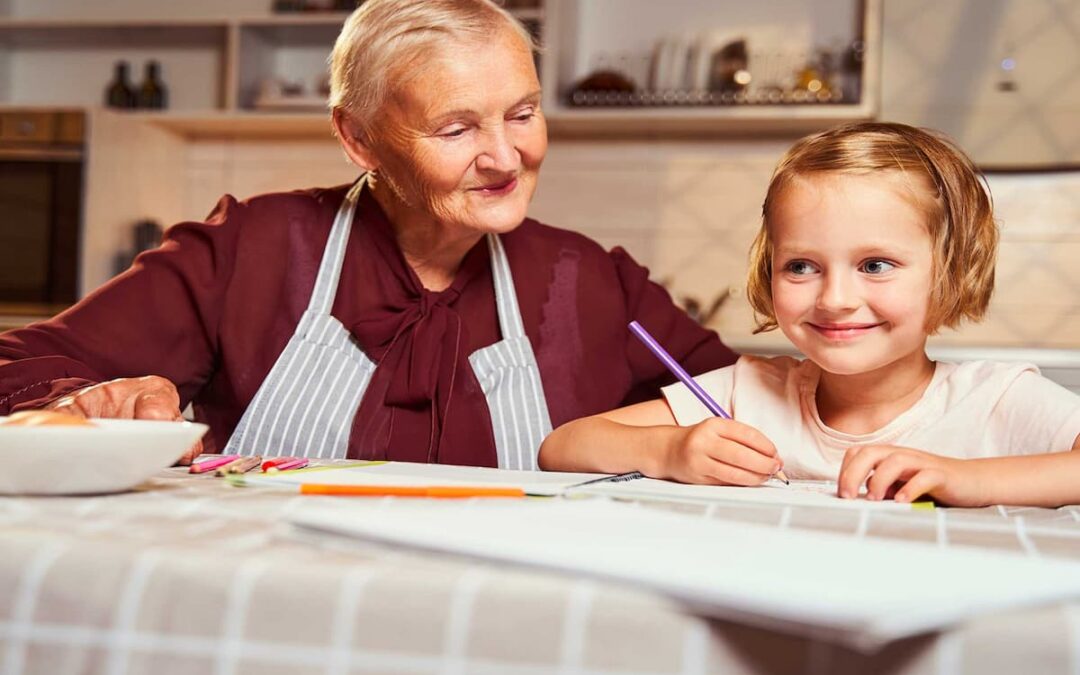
874, 236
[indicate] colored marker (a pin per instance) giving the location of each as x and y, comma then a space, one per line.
272, 463
289, 464
212, 462
241, 465
684, 377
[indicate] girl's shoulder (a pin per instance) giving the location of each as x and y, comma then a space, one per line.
776, 371
769, 371
985, 375
1009, 389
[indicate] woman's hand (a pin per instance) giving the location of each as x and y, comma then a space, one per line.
720, 451
908, 474
139, 398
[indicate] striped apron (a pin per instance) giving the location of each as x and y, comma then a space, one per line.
306, 405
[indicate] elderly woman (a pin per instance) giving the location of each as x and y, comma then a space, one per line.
415, 315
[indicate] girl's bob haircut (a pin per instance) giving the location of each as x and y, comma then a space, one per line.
944, 183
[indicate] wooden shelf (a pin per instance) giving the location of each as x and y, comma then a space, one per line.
764, 120
703, 121
283, 19
585, 36
81, 23
215, 65
240, 125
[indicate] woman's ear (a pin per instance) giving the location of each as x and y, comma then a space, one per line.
354, 140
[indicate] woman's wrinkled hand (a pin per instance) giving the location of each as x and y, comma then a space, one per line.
906, 475
137, 398
720, 452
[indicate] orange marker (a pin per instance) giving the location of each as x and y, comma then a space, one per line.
433, 491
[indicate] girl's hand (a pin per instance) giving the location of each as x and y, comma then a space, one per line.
720, 452
908, 474
140, 398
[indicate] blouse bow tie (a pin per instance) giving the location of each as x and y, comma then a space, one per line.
428, 337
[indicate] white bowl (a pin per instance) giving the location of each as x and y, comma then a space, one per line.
111, 456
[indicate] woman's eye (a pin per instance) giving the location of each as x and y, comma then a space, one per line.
524, 116
877, 266
452, 132
800, 267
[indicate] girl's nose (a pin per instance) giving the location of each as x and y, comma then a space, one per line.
838, 293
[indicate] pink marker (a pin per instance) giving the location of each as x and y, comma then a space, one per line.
212, 462
298, 463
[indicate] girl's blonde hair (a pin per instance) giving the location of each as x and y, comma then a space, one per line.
381, 40
959, 211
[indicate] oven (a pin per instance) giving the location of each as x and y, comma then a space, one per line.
41, 191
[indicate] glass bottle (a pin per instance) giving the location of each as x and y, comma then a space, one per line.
152, 93
119, 93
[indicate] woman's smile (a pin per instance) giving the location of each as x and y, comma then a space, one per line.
499, 189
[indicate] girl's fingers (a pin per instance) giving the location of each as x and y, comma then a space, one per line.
741, 457
726, 474
856, 469
922, 483
741, 434
848, 457
890, 470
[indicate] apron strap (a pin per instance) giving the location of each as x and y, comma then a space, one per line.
322, 297
505, 294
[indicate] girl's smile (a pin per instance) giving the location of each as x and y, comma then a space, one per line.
841, 332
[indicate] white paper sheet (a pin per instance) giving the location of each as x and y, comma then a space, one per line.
862, 592
551, 483
798, 493
410, 474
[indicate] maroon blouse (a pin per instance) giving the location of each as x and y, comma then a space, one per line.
213, 307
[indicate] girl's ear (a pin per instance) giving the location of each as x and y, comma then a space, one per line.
354, 140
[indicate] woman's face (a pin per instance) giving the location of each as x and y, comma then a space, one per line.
461, 139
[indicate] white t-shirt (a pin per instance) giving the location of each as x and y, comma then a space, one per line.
972, 409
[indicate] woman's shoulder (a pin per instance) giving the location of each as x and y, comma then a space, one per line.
296, 206
537, 237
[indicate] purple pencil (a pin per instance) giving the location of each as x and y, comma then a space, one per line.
649, 341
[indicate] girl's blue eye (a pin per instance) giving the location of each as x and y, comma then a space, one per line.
877, 266
800, 267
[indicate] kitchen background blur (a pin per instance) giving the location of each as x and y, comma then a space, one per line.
666, 118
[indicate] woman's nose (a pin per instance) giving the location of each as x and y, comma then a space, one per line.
838, 293
498, 152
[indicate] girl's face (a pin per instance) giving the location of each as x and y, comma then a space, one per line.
852, 270
462, 140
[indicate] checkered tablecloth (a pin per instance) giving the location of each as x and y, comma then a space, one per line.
189, 575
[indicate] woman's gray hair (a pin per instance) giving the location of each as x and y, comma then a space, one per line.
383, 37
